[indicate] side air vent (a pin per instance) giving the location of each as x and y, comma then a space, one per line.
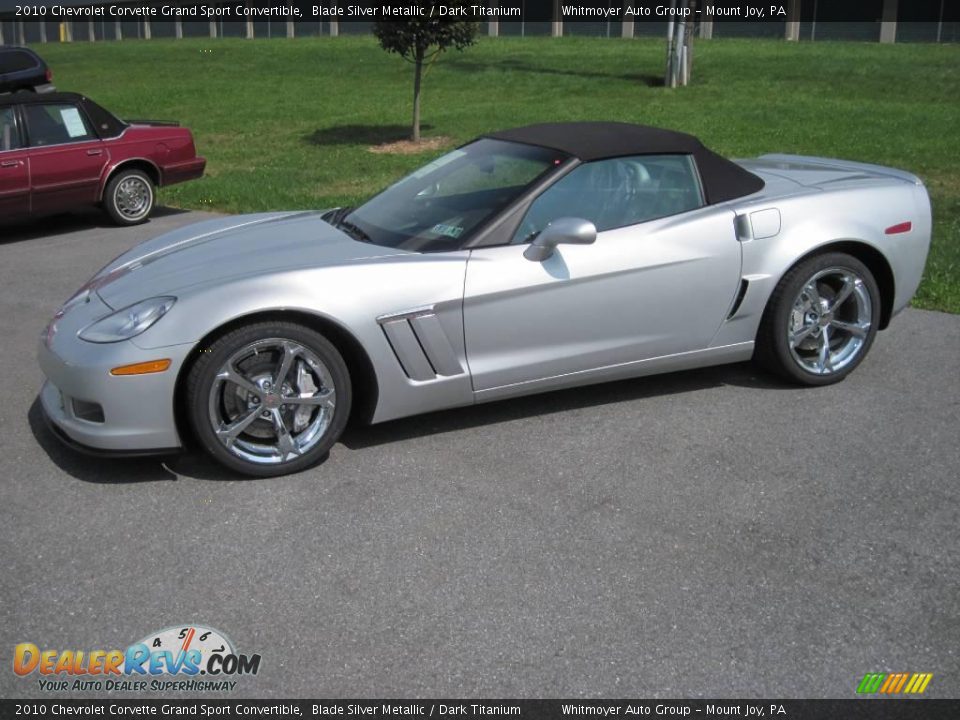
421, 345
741, 293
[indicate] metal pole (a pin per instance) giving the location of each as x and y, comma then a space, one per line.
940, 22
888, 22
669, 78
792, 29
678, 50
813, 27
556, 27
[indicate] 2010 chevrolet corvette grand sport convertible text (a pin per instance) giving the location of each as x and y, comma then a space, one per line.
530, 259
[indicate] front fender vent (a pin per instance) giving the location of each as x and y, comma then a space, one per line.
421, 345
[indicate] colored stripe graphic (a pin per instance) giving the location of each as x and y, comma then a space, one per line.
871, 683
923, 682
894, 683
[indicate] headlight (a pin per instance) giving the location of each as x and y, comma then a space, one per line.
129, 322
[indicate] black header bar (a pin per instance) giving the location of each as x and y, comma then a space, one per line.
573, 11
855, 709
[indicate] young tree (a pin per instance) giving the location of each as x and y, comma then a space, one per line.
422, 40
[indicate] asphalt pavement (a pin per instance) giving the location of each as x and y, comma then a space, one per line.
713, 533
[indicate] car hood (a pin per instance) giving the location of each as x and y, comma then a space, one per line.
227, 248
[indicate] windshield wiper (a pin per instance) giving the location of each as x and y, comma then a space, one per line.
336, 218
353, 231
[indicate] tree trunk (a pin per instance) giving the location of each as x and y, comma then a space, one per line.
417, 73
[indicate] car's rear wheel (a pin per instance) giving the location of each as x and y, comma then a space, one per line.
129, 197
820, 321
269, 398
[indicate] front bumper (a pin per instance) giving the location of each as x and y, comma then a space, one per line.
134, 414
62, 436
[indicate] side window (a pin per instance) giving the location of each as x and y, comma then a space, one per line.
617, 192
56, 124
16, 61
9, 138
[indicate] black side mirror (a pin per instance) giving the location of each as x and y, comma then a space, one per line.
565, 231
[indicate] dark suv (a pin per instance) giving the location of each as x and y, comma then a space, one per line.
23, 69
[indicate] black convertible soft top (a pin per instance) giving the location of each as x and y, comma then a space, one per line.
722, 179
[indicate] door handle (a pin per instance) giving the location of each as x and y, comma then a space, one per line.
94, 152
11, 163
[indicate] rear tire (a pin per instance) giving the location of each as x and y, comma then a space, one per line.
269, 398
820, 321
129, 197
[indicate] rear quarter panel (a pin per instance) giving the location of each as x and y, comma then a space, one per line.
814, 218
162, 147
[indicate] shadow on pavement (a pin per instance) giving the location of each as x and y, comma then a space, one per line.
117, 470
195, 464
69, 223
740, 375
90, 468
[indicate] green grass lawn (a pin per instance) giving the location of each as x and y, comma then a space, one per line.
286, 124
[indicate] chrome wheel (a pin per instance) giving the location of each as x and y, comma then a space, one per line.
830, 320
272, 401
133, 197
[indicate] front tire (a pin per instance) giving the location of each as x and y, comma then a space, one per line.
820, 321
269, 398
129, 197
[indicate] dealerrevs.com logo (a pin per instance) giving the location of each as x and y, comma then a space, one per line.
179, 658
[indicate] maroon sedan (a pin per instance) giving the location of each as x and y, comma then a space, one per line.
62, 151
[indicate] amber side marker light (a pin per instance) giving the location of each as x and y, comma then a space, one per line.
144, 368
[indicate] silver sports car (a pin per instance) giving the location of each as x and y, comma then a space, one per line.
529, 259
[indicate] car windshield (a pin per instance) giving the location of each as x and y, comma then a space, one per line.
437, 207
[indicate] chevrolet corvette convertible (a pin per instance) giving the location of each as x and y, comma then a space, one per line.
529, 259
